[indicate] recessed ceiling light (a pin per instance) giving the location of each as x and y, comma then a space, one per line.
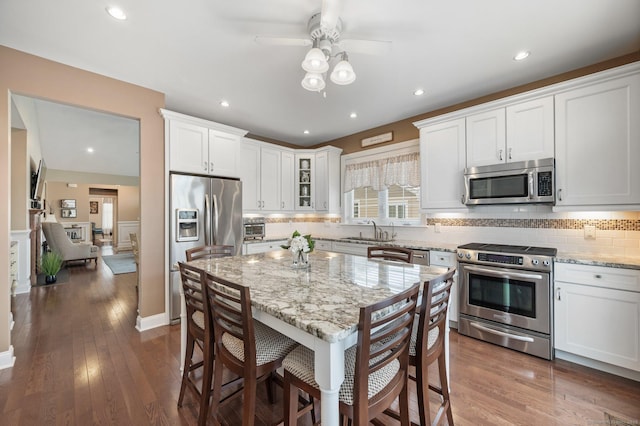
419, 92
521, 55
224, 104
353, 115
306, 132
116, 13
90, 150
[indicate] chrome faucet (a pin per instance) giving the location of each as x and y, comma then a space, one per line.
393, 231
375, 230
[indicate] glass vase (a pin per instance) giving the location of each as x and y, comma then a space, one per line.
300, 260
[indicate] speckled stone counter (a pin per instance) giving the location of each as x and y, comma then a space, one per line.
323, 300
598, 260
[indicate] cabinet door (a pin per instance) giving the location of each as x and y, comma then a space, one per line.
530, 131
270, 178
223, 154
249, 169
350, 248
598, 144
188, 148
322, 181
287, 178
442, 158
598, 323
486, 138
448, 260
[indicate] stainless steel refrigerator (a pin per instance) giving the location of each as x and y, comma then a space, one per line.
204, 211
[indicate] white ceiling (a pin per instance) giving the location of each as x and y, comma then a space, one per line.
200, 52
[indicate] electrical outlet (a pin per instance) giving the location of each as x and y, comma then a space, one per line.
438, 227
589, 232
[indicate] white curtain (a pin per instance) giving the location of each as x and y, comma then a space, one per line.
107, 216
379, 174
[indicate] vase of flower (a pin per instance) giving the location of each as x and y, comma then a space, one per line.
300, 247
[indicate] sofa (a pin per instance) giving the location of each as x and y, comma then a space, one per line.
59, 241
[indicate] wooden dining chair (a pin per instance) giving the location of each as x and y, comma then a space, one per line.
391, 253
246, 347
376, 368
199, 332
209, 252
428, 345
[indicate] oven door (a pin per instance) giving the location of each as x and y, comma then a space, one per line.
507, 296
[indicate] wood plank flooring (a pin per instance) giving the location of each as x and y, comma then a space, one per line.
80, 361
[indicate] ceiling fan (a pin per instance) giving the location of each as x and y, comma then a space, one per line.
324, 29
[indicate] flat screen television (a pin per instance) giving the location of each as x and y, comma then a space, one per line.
37, 181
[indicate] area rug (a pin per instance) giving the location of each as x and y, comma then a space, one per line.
122, 263
61, 277
611, 420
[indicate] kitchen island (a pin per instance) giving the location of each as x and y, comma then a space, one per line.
318, 306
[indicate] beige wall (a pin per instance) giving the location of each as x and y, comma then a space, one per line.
20, 181
128, 200
33, 76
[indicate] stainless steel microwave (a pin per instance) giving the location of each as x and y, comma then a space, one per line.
522, 182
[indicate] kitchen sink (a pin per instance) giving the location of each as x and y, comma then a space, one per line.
375, 240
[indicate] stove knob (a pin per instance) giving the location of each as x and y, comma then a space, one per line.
460, 254
546, 263
535, 261
468, 256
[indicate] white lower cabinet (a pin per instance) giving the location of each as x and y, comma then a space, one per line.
323, 245
597, 313
350, 248
448, 260
255, 248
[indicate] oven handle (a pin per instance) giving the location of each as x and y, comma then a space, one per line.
501, 333
495, 272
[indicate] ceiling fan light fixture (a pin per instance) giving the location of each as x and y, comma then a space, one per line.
315, 61
313, 82
342, 73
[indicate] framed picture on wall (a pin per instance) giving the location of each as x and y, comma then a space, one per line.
68, 213
93, 207
68, 204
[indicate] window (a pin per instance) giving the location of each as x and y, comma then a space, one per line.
383, 188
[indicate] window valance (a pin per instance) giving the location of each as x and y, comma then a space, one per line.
401, 170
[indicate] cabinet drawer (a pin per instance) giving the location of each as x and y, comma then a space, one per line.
442, 258
323, 245
350, 248
254, 248
598, 276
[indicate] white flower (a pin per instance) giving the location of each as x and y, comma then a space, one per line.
299, 244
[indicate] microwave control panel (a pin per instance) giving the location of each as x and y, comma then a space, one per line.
545, 184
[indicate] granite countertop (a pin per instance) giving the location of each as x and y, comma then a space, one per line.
323, 300
412, 244
594, 259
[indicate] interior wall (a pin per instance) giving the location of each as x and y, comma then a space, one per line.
37, 77
20, 180
404, 130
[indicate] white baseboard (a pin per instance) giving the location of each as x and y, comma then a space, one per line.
7, 359
154, 321
23, 287
598, 365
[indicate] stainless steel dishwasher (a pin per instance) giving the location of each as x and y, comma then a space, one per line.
420, 257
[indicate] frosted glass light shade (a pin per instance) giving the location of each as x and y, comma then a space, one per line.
315, 61
313, 82
343, 73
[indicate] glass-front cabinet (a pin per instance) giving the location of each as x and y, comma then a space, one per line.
305, 181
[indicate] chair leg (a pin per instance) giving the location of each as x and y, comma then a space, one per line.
271, 388
422, 391
205, 393
442, 369
249, 403
404, 405
290, 396
185, 369
216, 393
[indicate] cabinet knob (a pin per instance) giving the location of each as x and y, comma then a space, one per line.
500, 154
598, 276
462, 199
510, 154
210, 167
204, 166
560, 194
558, 293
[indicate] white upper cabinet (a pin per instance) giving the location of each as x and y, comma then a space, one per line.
266, 172
519, 132
200, 146
442, 160
530, 130
305, 190
327, 180
598, 145
486, 138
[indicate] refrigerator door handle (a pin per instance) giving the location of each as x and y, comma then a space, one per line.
215, 219
207, 220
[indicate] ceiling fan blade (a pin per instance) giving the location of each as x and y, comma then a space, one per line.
368, 47
282, 41
330, 13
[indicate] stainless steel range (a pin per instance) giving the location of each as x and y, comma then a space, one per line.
505, 296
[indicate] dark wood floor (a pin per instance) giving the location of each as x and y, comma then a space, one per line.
80, 361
